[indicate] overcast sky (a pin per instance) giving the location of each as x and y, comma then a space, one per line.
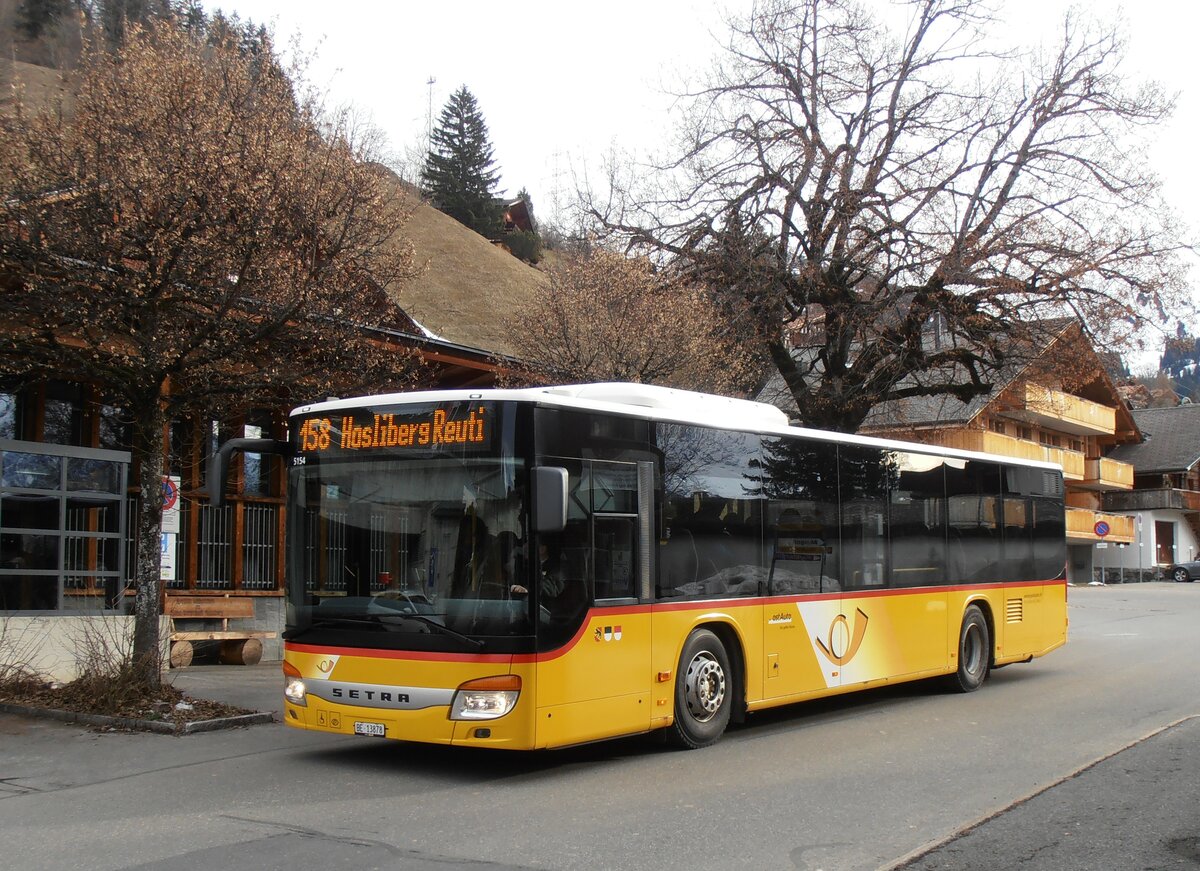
560, 83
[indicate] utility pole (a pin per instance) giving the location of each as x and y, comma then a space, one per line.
429, 116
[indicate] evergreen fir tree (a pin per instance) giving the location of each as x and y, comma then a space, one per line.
459, 174
35, 17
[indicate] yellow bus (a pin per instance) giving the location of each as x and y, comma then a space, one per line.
538, 568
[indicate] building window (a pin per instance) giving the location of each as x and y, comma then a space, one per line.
1024, 432
257, 471
12, 416
115, 428
63, 423
998, 427
62, 526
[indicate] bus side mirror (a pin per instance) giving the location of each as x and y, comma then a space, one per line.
549, 499
218, 463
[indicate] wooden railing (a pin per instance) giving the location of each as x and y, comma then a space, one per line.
1073, 462
1082, 524
1106, 474
1054, 405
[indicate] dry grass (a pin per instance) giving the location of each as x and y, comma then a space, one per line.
469, 286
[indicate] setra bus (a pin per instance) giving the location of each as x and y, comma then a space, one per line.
542, 567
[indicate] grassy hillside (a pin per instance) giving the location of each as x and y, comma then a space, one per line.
38, 86
469, 286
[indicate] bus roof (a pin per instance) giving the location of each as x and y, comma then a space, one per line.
650, 402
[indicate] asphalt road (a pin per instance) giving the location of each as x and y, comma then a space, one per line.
1019, 774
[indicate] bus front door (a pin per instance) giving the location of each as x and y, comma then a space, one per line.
597, 683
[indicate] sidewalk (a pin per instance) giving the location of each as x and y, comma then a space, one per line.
1134, 809
255, 687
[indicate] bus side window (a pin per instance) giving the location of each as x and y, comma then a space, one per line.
973, 512
863, 475
800, 480
711, 534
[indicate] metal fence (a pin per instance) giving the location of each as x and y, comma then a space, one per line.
260, 537
214, 547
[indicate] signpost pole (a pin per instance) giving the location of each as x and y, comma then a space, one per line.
1101, 529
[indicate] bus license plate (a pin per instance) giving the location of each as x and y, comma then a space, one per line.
375, 730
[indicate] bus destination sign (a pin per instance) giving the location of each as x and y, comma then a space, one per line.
437, 428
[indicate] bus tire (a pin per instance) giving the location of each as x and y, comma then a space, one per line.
703, 692
974, 652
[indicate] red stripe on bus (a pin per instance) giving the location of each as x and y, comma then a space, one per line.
421, 655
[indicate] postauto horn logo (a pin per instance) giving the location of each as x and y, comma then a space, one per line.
837, 650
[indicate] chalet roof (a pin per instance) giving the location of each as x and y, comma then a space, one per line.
1171, 440
469, 287
921, 411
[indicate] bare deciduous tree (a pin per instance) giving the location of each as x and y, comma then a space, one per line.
900, 210
196, 236
606, 317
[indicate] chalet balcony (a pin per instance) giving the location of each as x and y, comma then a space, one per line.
1063, 412
1106, 474
1157, 499
1072, 462
1081, 526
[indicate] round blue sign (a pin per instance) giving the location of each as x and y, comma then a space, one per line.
1101, 528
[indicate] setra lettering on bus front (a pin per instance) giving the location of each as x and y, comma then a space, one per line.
370, 695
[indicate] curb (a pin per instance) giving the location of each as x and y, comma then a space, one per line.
158, 726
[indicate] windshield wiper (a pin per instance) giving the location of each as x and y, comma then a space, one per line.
475, 642
381, 620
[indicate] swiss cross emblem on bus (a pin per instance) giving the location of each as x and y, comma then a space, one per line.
608, 633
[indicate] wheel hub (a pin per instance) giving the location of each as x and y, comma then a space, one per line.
704, 686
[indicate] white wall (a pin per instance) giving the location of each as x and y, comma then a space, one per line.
53, 645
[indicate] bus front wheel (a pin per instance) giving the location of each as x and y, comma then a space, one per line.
974, 652
703, 692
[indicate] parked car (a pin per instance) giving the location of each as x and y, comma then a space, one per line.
1184, 572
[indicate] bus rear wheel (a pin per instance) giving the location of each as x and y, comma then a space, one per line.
703, 692
974, 652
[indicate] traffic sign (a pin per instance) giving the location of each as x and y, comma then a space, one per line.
170, 504
1101, 528
170, 492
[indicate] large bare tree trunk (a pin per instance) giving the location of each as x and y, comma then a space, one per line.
149, 420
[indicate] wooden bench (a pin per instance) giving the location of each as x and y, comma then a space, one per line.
238, 646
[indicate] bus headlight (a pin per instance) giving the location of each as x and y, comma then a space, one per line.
486, 698
294, 689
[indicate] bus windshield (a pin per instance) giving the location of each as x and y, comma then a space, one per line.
421, 550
